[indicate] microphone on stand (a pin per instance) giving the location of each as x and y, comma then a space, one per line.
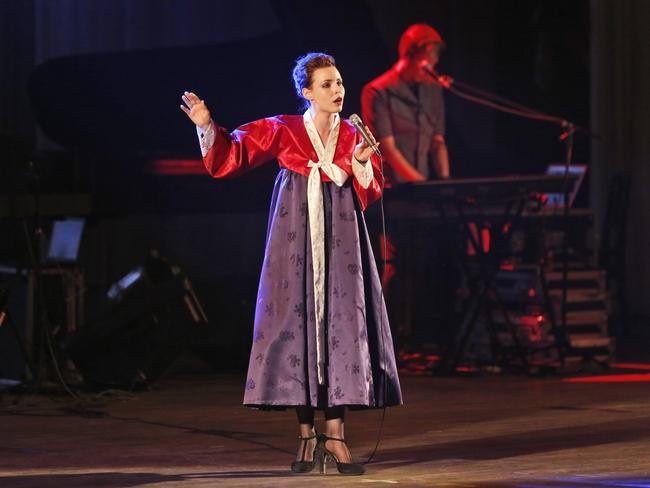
358, 124
443, 80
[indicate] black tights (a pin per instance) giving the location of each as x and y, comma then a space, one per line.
306, 414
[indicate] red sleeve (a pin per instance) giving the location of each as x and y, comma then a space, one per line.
246, 148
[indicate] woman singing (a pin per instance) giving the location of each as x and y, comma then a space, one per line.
321, 338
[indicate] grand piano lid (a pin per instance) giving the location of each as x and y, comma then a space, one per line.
128, 103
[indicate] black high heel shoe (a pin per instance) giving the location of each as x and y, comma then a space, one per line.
325, 454
303, 466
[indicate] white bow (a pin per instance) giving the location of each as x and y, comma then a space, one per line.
317, 222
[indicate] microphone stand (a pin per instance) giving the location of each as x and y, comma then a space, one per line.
491, 100
44, 344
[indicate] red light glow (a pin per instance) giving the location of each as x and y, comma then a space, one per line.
177, 167
466, 369
630, 366
615, 378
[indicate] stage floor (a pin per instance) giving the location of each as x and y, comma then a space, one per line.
487, 431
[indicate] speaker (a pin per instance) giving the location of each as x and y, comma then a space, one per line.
152, 317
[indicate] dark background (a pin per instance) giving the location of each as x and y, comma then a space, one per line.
89, 93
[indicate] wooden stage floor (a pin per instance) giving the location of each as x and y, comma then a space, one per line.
488, 431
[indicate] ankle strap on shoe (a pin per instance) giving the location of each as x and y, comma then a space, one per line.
327, 438
307, 438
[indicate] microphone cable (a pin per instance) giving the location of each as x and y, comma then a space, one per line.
382, 306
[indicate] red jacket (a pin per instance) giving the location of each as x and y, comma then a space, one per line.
284, 138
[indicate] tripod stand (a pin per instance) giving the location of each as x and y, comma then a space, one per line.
38, 347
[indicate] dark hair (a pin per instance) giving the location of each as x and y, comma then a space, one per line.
415, 37
303, 72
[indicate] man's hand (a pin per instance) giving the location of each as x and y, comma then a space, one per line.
398, 162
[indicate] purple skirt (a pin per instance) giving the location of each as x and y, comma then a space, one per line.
360, 361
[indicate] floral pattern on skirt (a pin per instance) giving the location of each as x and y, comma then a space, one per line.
360, 360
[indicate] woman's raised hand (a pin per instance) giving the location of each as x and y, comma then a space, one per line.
196, 110
363, 151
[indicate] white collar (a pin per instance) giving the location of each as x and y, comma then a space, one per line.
325, 154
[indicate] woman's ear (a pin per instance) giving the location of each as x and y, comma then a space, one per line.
306, 93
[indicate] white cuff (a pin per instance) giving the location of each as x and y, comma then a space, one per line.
362, 172
206, 138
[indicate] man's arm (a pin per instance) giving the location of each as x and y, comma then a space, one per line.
398, 162
440, 156
374, 106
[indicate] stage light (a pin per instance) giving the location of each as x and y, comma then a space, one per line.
153, 313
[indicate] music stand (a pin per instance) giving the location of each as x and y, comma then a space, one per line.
556, 200
64, 242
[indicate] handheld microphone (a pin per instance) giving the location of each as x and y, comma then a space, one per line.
356, 122
443, 80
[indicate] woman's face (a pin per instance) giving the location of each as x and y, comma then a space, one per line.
326, 92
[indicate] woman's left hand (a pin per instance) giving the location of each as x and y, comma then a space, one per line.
363, 151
